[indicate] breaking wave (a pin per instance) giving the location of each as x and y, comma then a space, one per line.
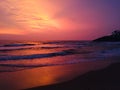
28, 55
33, 56
17, 45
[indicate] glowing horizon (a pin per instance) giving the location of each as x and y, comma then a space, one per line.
58, 19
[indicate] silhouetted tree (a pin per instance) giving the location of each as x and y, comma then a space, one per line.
114, 37
116, 33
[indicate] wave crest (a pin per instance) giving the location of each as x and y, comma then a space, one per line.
17, 45
33, 56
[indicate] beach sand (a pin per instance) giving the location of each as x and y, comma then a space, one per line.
93, 75
104, 79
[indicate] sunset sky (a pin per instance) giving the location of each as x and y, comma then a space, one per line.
58, 19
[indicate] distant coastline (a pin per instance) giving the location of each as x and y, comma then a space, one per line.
114, 37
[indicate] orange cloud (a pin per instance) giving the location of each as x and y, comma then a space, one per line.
11, 31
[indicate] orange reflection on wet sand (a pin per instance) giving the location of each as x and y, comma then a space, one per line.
46, 75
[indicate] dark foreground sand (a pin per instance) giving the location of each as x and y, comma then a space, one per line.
105, 79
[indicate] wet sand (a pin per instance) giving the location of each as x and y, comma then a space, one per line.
103, 79
81, 76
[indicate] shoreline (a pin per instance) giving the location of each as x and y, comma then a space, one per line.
103, 79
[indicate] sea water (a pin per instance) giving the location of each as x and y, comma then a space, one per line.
21, 55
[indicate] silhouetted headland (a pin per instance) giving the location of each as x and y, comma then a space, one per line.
114, 37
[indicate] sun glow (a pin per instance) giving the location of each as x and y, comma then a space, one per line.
42, 22
50, 22
63, 19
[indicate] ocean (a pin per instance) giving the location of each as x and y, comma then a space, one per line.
22, 55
